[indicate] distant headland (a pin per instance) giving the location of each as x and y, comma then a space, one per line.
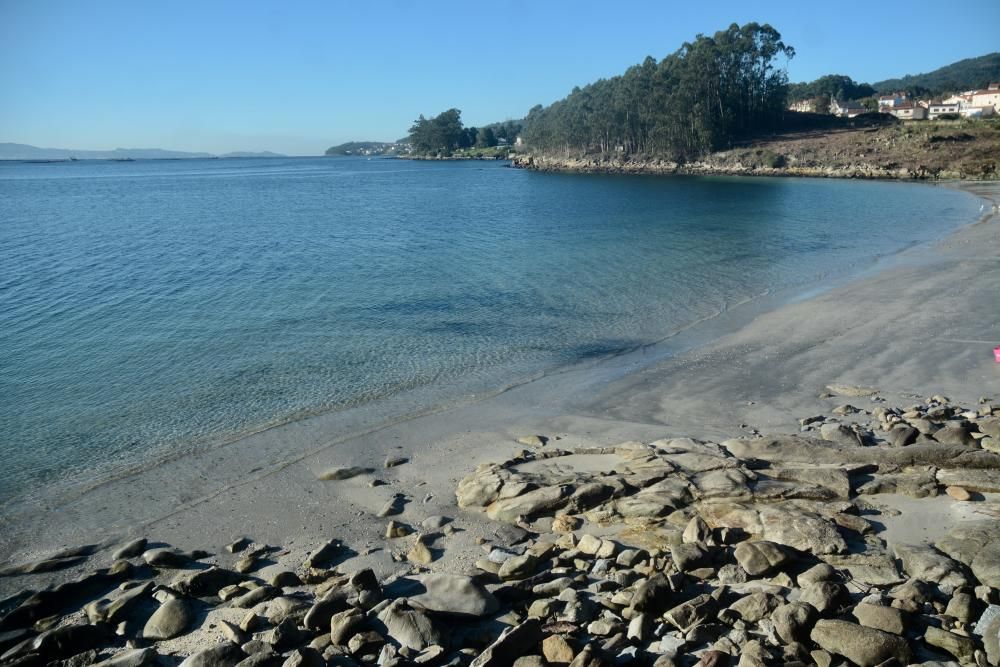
11, 151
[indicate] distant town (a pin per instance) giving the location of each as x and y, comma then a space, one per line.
981, 103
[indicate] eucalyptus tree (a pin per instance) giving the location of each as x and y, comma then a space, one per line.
699, 98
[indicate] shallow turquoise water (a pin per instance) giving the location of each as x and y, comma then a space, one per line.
151, 305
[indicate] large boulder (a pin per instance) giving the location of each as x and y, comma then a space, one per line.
756, 606
990, 426
840, 434
656, 500
988, 627
975, 544
69, 640
928, 564
955, 434
206, 583
221, 655
886, 619
983, 481
723, 483
410, 627
344, 623
452, 594
514, 642
863, 646
653, 596
544, 500
171, 620
916, 483
870, 568
759, 558
793, 621
115, 609
801, 530
959, 646
481, 487
784, 523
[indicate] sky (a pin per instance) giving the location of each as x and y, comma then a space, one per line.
298, 76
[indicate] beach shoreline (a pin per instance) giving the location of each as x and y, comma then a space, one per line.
722, 385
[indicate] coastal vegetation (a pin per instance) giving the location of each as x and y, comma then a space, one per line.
445, 135
833, 87
714, 94
719, 105
700, 98
965, 74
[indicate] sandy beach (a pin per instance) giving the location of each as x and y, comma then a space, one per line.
920, 323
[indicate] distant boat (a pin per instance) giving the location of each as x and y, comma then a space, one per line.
122, 159
73, 159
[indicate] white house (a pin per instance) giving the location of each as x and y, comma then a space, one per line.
808, 106
909, 111
977, 112
961, 99
847, 109
935, 109
989, 97
891, 101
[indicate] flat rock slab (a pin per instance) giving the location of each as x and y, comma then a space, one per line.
975, 543
983, 481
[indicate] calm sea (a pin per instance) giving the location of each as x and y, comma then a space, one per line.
153, 305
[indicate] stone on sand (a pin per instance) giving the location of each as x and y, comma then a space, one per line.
170, 620
863, 646
344, 472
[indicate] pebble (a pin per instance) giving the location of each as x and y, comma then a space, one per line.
753, 589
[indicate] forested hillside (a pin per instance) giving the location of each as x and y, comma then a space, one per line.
965, 74
698, 99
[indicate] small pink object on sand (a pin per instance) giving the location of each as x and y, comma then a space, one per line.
996, 354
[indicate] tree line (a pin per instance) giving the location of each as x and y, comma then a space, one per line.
836, 86
967, 74
963, 75
698, 99
445, 133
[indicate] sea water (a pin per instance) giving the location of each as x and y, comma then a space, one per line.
150, 306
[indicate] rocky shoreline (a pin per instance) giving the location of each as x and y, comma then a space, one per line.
753, 551
724, 166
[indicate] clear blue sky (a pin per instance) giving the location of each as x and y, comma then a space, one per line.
298, 76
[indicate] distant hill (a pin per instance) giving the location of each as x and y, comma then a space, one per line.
963, 75
967, 74
366, 148
10, 151
252, 154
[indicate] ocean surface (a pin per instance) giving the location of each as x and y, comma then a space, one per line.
152, 306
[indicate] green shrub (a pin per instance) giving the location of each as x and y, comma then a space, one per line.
773, 160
